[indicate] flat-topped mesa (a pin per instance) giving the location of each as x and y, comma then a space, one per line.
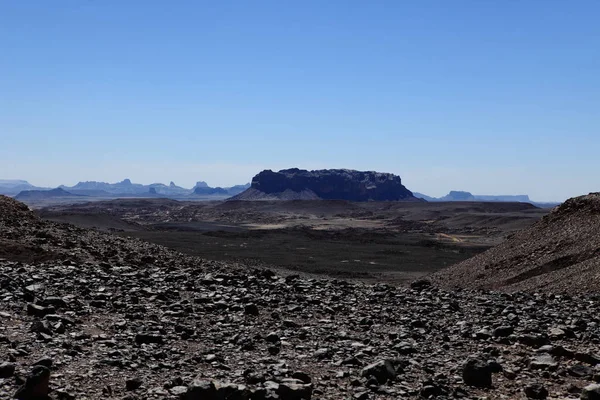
329, 184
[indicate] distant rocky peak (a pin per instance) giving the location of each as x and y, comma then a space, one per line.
201, 184
126, 182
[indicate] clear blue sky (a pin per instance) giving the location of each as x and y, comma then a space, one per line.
494, 97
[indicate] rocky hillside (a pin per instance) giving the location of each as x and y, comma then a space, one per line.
329, 184
561, 252
104, 317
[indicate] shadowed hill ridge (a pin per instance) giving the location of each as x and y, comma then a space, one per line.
561, 252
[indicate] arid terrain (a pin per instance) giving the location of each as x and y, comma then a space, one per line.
87, 314
385, 241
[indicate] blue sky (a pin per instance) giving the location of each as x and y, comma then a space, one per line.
494, 97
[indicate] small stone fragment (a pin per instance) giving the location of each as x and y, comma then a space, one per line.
36, 385
133, 384
536, 391
7, 370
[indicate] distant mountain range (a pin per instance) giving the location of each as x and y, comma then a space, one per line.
285, 184
456, 195
125, 188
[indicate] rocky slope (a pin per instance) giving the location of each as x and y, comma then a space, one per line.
561, 252
329, 184
113, 318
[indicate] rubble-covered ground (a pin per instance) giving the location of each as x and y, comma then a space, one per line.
94, 316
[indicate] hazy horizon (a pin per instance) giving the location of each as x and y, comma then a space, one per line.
189, 183
487, 97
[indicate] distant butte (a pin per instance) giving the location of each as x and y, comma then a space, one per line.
327, 184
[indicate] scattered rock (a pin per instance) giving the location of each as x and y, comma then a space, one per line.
36, 386
477, 373
543, 361
7, 370
133, 384
382, 370
536, 391
591, 392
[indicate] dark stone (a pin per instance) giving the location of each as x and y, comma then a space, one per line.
361, 396
503, 331
146, 338
588, 358
322, 354
201, 390
272, 337
292, 391
7, 370
302, 376
36, 385
251, 309
495, 366
477, 373
133, 384
533, 340
382, 370
536, 391
591, 392
430, 390
580, 371
39, 311
40, 327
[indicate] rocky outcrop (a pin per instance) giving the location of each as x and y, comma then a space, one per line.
561, 252
329, 184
